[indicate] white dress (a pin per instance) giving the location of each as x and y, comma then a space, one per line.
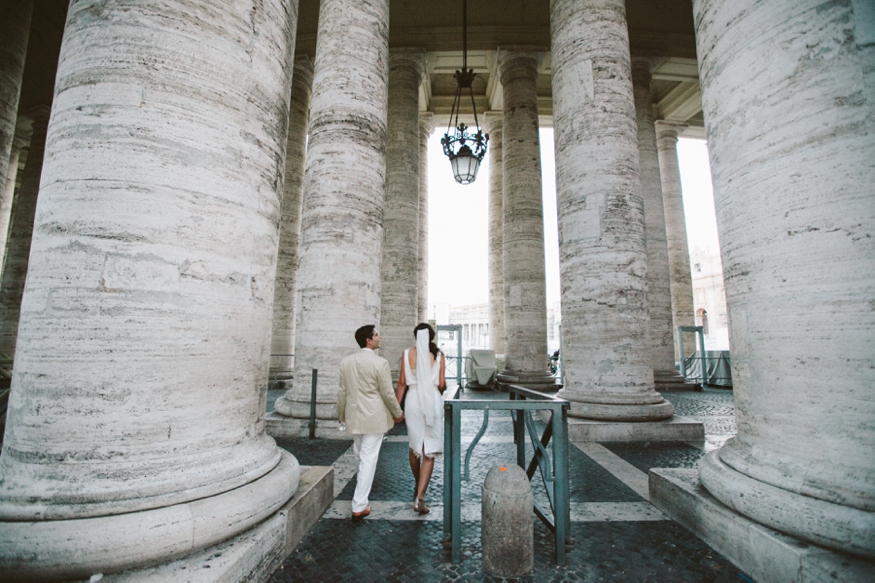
422, 429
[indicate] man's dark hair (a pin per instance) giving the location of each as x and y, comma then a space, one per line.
363, 333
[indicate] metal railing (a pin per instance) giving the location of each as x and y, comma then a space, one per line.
553, 468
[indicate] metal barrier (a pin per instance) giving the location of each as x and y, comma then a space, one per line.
553, 472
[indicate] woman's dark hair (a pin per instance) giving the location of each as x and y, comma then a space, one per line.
431, 345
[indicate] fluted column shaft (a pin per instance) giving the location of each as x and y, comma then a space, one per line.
136, 415
658, 284
494, 127
793, 190
344, 188
283, 333
525, 291
15, 18
399, 312
426, 127
15, 262
680, 279
603, 259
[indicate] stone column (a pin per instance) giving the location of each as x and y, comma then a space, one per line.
525, 291
344, 188
493, 125
14, 30
399, 311
791, 157
135, 429
8, 196
283, 334
426, 127
681, 279
660, 332
603, 259
18, 243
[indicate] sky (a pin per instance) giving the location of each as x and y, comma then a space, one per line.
458, 221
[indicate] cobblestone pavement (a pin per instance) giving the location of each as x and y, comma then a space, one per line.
619, 535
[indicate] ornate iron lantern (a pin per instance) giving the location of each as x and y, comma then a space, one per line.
464, 148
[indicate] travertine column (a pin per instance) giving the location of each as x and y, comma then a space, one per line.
603, 259
660, 332
675, 228
426, 127
525, 291
136, 417
344, 186
283, 334
399, 312
18, 244
14, 30
493, 126
792, 161
8, 195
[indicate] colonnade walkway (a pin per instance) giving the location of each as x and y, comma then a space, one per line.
619, 535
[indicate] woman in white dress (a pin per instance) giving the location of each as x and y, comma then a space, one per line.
423, 408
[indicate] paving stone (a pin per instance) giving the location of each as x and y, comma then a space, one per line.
411, 550
653, 454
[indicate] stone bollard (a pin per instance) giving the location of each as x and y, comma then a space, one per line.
507, 529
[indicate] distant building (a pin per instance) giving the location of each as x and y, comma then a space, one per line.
709, 298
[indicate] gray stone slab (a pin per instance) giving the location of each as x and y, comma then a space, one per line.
763, 553
674, 429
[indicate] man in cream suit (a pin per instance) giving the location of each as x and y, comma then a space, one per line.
366, 403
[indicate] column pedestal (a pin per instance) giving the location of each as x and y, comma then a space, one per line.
761, 552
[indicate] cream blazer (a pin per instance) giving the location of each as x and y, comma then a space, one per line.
366, 400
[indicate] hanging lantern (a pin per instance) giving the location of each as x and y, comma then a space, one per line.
464, 148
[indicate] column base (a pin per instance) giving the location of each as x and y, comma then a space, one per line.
255, 554
622, 412
673, 381
536, 381
301, 410
79, 548
277, 425
762, 553
674, 429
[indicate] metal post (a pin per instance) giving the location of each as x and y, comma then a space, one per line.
456, 503
449, 455
701, 334
562, 511
313, 406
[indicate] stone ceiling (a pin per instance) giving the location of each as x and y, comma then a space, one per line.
660, 29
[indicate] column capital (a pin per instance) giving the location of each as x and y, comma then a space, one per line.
426, 124
517, 61
493, 122
668, 130
411, 58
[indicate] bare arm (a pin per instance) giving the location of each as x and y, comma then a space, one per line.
402, 383
442, 381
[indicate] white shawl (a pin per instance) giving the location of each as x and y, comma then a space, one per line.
427, 392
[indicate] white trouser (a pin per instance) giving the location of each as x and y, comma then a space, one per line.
367, 450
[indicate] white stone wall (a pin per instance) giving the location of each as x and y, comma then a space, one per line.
15, 31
